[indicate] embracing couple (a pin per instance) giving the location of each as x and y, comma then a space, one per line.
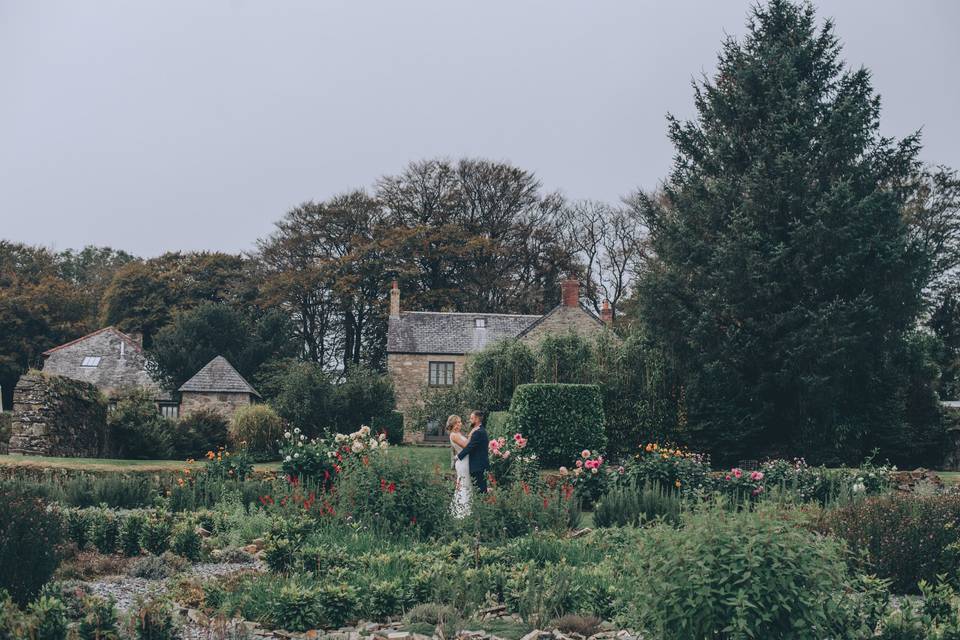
470, 461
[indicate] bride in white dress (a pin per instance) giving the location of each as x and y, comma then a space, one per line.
461, 496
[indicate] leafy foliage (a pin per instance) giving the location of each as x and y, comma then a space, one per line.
558, 419
257, 429
754, 573
30, 535
136, 430
784, 278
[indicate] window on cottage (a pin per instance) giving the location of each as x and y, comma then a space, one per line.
91, 361
440, 374
222, 397
171, 411
480, 323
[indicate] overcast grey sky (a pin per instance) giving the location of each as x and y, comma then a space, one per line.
195, 124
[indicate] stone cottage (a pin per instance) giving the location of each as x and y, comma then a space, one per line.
427, 349
110, 360
217, 386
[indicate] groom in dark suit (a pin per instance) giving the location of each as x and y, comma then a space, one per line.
477, 450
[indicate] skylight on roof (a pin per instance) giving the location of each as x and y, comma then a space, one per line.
91, 361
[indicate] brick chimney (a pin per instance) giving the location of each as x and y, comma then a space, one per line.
395, 301
606, 313
570, 292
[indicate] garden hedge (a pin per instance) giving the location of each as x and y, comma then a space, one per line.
390, 424
559, 420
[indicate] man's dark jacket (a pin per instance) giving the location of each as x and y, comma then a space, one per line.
477, 450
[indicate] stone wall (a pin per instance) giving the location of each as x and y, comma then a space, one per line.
57, 416
226, 404
563, 319
410, 375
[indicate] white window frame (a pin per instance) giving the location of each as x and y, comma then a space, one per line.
91, 362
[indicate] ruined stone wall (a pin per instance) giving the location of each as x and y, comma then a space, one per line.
226, 404
57, 416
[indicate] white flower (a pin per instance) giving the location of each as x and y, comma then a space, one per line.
297, 430
384, 444
382, 437
299, 444
296, 455
374, 444
859, 487
287, 435
339, 437
357, 446
287, 459
330, 454
364, 431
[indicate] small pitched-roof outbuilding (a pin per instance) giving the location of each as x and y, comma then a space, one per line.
218, 376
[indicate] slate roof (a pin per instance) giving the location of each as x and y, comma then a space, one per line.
117, 363
451, 333
218, 376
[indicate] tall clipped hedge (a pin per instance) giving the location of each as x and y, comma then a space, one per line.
559, 420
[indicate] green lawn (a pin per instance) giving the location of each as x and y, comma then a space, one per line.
422, 456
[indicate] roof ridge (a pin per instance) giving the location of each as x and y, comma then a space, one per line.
478, 313
124, 336
580, 304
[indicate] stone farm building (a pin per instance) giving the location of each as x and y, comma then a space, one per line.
217, 386
113, 362
427, 349
110, 360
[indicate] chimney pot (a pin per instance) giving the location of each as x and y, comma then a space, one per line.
395, 300
570, 292
606, 313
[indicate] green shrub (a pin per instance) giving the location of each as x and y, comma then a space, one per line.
257, 429
115, 490
99, 621
559, 420
381, 599
12, 622
200, 431
499, 425
105, 530
758, 574
186, 541
153, 620
902, 537
390, 424
77, 524
130, 533
49, 619
279, 554
136, 430
394, 496
495, 372
631, 506
155, 536
31, 532
361, 394
297, 608
339, 603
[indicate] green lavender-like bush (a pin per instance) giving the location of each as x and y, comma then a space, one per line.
759, 573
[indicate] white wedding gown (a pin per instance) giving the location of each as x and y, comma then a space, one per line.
461, 496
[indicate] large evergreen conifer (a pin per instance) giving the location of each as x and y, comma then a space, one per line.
785, 283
